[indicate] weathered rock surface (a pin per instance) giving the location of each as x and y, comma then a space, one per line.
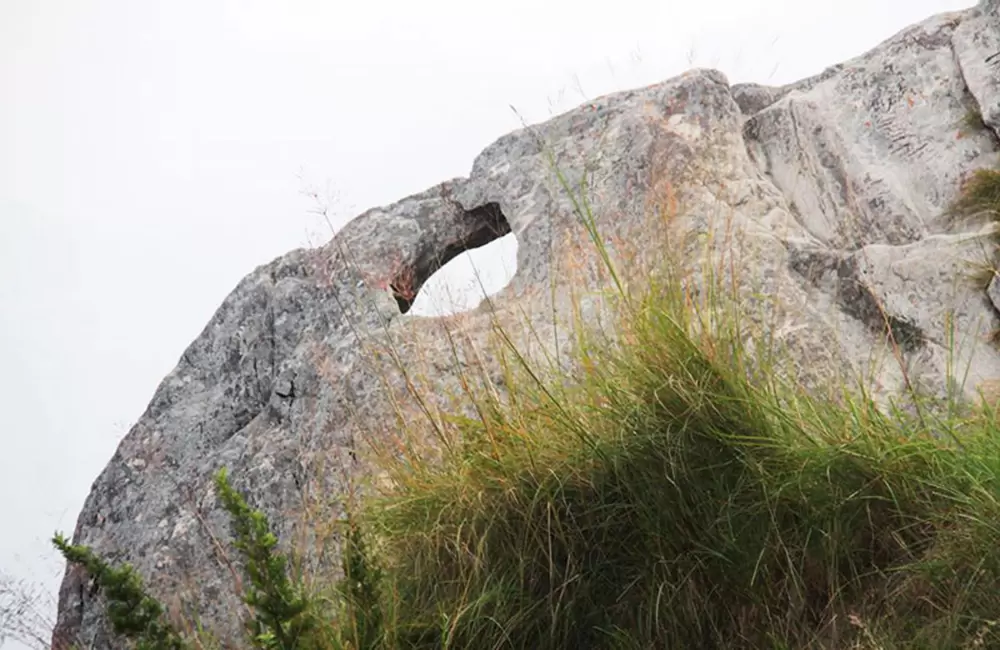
832, 192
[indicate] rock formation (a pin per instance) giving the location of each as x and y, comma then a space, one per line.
835, 189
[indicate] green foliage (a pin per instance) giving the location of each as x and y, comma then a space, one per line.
282, 618
681, 493
131, 611
281, 609
981, 195
361, 590
668, 501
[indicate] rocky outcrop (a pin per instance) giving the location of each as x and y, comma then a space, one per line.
831, 194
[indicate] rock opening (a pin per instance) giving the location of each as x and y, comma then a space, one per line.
490, 235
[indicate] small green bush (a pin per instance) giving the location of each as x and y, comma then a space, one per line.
131, 611
281, 611
284, 618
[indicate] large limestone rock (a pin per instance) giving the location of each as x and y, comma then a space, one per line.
828, 197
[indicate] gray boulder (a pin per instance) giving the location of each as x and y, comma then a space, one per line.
827, 197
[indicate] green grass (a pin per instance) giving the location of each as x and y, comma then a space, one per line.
981, 194
680, 494
668, 501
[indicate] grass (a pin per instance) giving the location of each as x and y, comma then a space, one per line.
980, 196
972, 121
672, 489
679, 493
668, 501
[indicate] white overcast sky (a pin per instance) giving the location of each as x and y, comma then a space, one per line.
153, 152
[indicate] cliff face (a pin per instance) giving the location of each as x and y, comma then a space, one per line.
831, 190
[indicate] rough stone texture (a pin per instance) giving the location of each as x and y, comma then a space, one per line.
977, 48
831, 191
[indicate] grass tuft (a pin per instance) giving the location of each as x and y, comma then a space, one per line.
980, 195
667, 501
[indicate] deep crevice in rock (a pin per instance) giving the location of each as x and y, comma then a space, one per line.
491, 224
858, 301
970, 100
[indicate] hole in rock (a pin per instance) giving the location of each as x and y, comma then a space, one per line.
467, 271
463, 282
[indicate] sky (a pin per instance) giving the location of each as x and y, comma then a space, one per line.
153, 153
